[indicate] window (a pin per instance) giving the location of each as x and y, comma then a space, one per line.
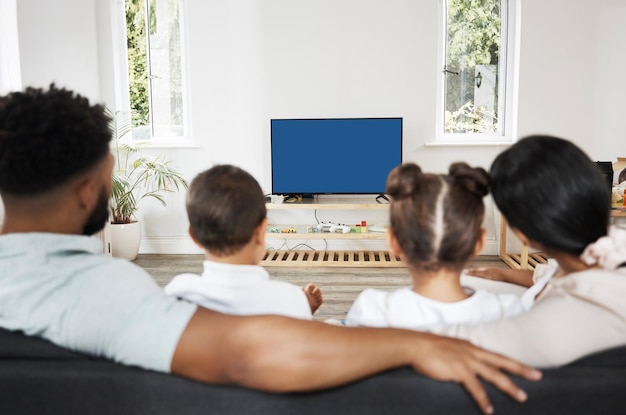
10, 79
476, 70
155, 69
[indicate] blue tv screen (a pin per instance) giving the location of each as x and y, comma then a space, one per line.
334, 155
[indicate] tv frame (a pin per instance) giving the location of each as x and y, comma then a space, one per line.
355, 154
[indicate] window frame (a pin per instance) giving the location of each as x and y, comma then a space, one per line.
10, 73
121, 78
507, 82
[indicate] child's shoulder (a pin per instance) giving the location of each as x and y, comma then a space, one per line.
484, 295
502, 304
375, 293
182, 283
378, 298
371, 308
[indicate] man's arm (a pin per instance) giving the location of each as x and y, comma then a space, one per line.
280, 354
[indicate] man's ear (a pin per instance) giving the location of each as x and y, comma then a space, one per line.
87, 190
480, 242
394, 246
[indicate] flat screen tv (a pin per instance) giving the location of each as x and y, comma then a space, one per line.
334, 155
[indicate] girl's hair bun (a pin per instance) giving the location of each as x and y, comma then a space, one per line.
404, 181
474, 179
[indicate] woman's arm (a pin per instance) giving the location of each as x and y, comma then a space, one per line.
523, 277
281, 354
573, 317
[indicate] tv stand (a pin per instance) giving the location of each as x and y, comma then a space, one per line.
308, 258
296, 198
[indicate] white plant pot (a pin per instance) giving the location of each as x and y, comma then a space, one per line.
125, 240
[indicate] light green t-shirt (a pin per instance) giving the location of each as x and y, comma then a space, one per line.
61, 288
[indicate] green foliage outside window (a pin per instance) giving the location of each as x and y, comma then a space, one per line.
473, 33
473, 38
136, 47
155, 65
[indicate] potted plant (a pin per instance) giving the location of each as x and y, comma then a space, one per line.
135, 177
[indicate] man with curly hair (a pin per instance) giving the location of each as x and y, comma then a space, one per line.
55, 181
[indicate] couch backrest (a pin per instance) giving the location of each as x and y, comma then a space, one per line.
16, 345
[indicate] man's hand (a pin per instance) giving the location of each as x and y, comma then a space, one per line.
459, 361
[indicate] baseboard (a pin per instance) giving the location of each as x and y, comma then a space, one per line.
185, 246
182, 245
492, 247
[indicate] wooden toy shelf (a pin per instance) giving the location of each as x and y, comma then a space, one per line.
329, 258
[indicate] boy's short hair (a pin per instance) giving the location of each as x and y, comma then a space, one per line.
225, 204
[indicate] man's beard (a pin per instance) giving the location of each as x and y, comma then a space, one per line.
99, 216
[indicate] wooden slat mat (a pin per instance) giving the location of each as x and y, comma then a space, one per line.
330, 259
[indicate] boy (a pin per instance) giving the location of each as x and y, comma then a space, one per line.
227, 218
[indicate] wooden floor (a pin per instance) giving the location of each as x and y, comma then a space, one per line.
340, 286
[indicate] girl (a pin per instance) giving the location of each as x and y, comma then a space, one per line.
435, 227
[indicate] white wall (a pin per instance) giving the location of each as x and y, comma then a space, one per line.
609, 82
10, 78
58, 43
252, 60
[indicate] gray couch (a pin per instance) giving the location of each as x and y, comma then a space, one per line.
37, 377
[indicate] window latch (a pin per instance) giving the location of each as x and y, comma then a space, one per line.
446, 71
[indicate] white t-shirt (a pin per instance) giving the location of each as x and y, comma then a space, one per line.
61, 288
404, 308
240, 290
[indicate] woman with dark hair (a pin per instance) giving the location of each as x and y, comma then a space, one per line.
556, 200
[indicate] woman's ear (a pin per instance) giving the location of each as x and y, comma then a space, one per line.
480, 242
394, 246
527, 241
521, 236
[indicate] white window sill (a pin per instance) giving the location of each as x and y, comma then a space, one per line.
470, 143
180, 143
